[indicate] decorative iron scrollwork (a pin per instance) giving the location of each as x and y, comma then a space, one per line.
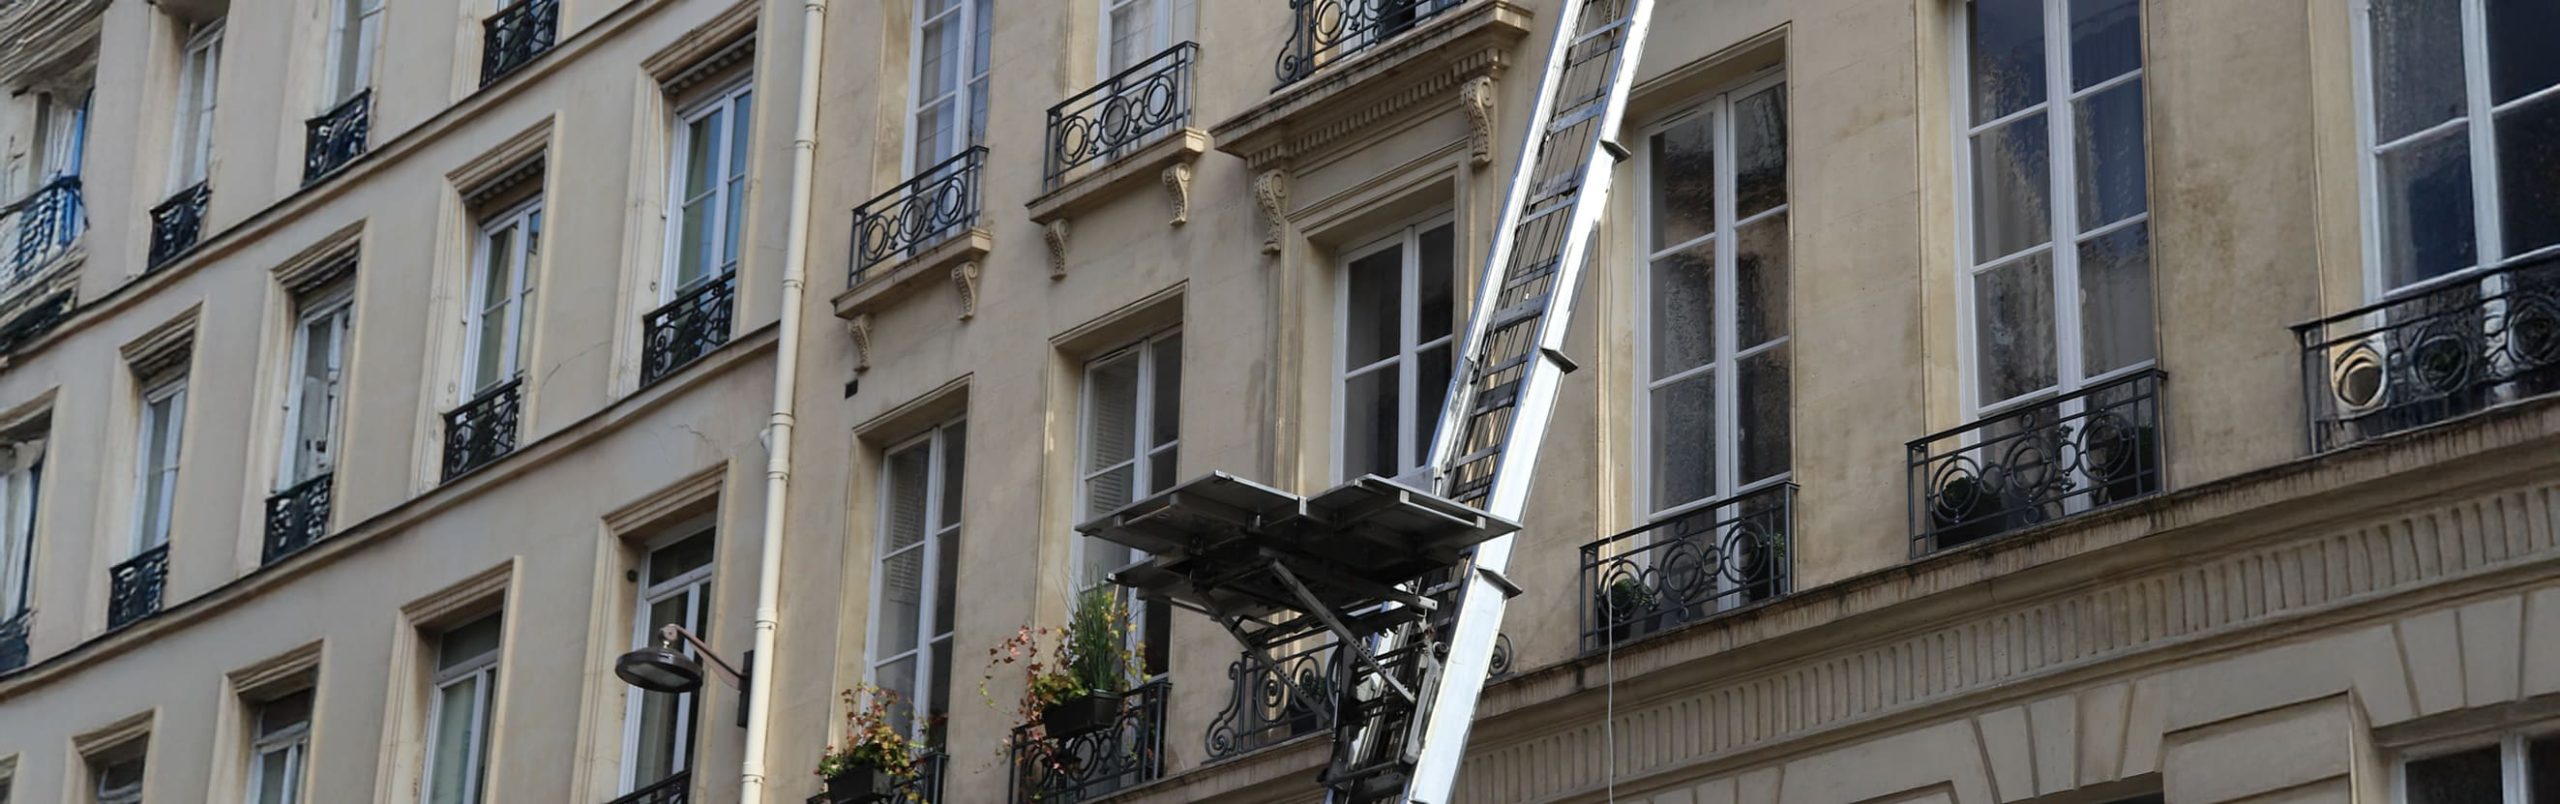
1124, 755
675, 789
13, 641
2423, 358
1270, 705
940, 202
1122, 112
1688, 567
336, 137
684, 330
176, 224
1324, 31
2033, 464
482, 430
517, 35
297, 518
39, 227
134, 587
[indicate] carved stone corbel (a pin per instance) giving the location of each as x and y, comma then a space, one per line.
1271, 192
859, 326
1475, 96
1055, 234
1177, 182
965, 275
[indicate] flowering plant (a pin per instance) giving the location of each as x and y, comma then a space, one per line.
871, 737
1091, 655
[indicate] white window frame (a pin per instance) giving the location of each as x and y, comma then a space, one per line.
21, 481
481, 670
525, 221
929, 591
694, 586
199, 78
1141, 463
360, 49
295, 743
2512, 760
128, 794
1169, 22
964, 130
2480, 114
1410, 342
336, 305
1728, 359
2064, 234
723, 231
64, 124
164, 403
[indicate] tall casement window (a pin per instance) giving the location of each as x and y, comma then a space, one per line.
1397, 324
2056, 293
710, 180
21, 477
280, 745
1714, 357
2463, 100
62, 133
118, 776
1132, 432
199, 66
1133, 30
503, 265
913, 584
315, 398
950, 92
355, 28
164, 419
465, 683
675, 590
2518, 768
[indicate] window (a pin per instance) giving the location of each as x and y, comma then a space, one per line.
466, 679
1132, 432
1397, 333
952, 41
62, 129
21, 476
501, 296
164, 414
120, 779
355, 27
1715, 412
313, 403
200, 66
2518, 769
1133, 30
2057, 288
279, 749
915, 578
709, 217
2463, 100
676, 590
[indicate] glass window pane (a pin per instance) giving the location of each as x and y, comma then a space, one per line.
2521, 59
2427, 212
471, 641
741, 120
2106, 40
1168, 394
1430, 391
1374, 329
946, 598
2529, 173
2417, 65
900, 677
2113, 180
1102, 558
2013, 328
1684, 441
1760, 281
1762, 428
2115, 299
273, 775
901, 601
1108, 491
693, 241
2012, 186
1759, 152
1160, 469
284, 713
1369, 424
1684, 310
693, 553
1111, 417
1683, 182
2542, 770
1434, 273
449, 769
2006, 41
937, 700
909, 471
655, 756
2470, 777
955, 454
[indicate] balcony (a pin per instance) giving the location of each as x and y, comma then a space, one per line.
481, 431
1324, 31
686, 329
177, 224
1689, 567
1122, 756
39, 228
297, 518
676, 789
515, 36
1124, 113
2425, 357
1272, 704
923, 788
134, 587
2034, 464
13, 641
922, 231
336, 137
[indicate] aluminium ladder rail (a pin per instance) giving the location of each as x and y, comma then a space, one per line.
1484, 450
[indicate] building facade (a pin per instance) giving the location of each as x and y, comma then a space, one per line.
1979, 400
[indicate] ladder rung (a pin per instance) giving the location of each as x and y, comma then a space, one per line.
1497, 398
1605, 30
1513, 315
1589, 108
1541, 270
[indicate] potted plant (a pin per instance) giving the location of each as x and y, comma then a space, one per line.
875, 757
1966, 512
1073, 677
1627, 601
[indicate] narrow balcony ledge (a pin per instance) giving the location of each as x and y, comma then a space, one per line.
959, 253
1453, 57
1166, 162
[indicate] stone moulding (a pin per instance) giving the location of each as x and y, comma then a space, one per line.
1166, 162
888, 284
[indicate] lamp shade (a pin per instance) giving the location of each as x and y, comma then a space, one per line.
659, 668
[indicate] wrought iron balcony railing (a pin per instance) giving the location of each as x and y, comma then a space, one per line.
1688, 567
676, 789
939, 203
482, 430
297, 518
2426, 357
923, 788
336, 137
13, 641
686, 329
1272, 704
1125, 111
2096, 447
517, 35
176, 224
35, 320
1124, 755
1324, 31
135, 585
38, 227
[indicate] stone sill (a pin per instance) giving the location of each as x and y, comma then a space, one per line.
1112, 178
890, 282
1356, 94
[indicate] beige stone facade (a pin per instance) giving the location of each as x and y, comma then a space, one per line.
2294, 593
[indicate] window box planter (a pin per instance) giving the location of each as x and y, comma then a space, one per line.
860, 786
1080, 715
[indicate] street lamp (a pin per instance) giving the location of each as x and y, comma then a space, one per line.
665, 667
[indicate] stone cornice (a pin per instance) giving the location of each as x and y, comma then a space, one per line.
1369, 91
